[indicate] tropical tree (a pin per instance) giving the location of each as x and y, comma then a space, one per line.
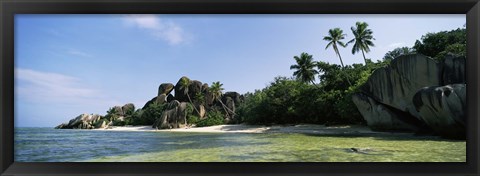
334, 37
398, 52
216, 90
363, 39
305, 68
185, 84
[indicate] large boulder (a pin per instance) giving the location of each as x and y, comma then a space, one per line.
396, 84
230, 106
415, 85
149, 102
180, 91
161, 98
128, 108
235, 97
195, 88
174, 117
381, 117
83, 121
453, 70
165, 88
443, 108
202, 111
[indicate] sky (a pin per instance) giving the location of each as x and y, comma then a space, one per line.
66, 65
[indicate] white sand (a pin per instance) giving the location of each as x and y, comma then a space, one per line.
241, 128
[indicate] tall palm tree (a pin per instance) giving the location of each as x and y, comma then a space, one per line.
334, 37
185, 84
216, 90
305, 68
363, 39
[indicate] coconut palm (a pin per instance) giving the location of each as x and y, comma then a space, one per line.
305, 68
363, 39
216, 90
185, 84
334, 37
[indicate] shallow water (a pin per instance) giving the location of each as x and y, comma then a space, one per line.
54, 145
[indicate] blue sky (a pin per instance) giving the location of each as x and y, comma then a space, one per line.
66, 65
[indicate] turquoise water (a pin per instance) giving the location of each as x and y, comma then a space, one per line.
55, 145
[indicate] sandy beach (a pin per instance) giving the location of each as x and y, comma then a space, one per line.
242, 128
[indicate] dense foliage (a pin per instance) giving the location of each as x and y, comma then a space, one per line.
214, 117
437, 45
288, 100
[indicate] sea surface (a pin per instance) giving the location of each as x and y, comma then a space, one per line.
64, 145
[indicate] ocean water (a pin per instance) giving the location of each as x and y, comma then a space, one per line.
62, 145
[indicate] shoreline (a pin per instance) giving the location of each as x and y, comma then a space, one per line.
242, 128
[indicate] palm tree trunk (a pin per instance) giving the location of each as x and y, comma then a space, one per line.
346, 76
364, 58
193, 106
225, 108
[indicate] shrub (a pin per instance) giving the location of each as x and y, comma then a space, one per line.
192, 119
214, 117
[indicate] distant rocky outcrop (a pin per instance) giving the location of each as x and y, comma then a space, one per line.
175, 107
411, 93
83, 121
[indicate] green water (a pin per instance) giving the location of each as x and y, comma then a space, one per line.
300, 148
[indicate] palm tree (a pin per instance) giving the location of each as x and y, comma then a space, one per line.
305, 68
334, 37
216, 90
363, 39
185, 83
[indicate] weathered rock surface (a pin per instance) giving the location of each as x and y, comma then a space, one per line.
174, 117
397, 84
453, 70
83, 121
202, 111
180, 90
194, 88
234, 95
414, 86
381, 117
161, 98
128, 108
165, 88
443, 108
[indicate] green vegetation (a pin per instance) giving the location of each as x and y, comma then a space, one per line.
294, 100
437, 45
214, 117
398, 52
363, 39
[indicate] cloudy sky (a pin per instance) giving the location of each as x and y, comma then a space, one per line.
66, 65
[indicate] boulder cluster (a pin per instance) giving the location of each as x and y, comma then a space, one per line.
416, 93
196, 94
92, 121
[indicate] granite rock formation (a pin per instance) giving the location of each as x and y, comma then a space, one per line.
411, 93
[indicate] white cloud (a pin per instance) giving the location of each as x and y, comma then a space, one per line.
45, 87
395, 45
165, 30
